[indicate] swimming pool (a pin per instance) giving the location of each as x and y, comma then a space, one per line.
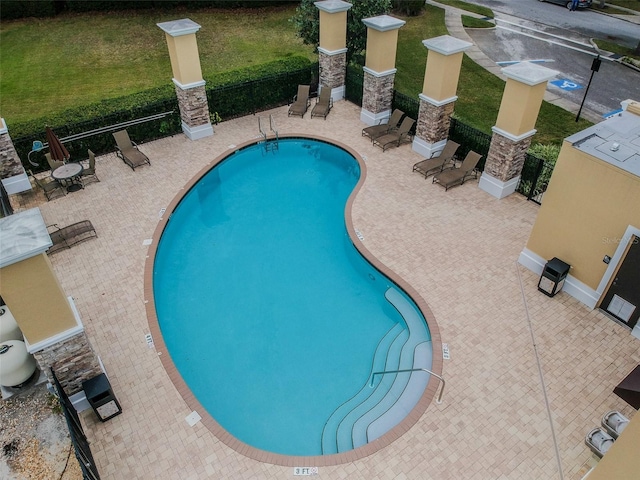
270, 314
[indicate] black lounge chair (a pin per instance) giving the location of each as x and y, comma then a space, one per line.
437, 164
391, 124
128, 150
301, 101
67, 237
457, 176
323, 105
395, 138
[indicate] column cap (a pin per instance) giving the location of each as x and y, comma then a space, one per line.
3, 126
177, 28
446, 44
383, 23
333, 6
529, 73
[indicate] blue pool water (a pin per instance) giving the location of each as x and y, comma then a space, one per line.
268, 311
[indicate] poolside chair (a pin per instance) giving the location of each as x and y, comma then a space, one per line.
51, 188
457, 176
391, 124
599, 441
614, 423
128, 150
396, 137
323, 105
53, 164
301, 101
89, 173
437, 164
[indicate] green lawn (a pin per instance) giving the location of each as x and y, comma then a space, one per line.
51, 64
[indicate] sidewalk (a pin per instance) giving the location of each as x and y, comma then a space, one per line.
453, 22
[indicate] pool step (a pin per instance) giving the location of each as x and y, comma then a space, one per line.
329, 440
370, 414
344, 432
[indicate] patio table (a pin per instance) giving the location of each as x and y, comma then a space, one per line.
69, 171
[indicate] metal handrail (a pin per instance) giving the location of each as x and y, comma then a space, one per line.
438, 400
272, 126
264, 135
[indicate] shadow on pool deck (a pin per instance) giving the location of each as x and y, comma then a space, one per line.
458, 249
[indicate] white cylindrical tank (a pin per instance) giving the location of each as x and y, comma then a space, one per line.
16, 364
9, 329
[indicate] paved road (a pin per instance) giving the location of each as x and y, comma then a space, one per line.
611, 84
585, 23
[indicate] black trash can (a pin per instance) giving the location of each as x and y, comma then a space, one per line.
101, 397
553, 275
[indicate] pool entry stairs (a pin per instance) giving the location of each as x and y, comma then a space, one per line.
376, 409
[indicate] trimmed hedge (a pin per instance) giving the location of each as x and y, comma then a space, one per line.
230, 94
11, 9
14, 9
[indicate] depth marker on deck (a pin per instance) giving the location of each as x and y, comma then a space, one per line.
445, 351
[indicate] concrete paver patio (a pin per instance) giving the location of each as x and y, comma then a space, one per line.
458, 249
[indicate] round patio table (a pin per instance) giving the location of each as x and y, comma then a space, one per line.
69, 171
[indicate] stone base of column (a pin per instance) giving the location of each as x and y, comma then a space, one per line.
504, 162
377, 95
432, 127
426, 149
496, 187
194, 110
333, 71
371, 118
72, 359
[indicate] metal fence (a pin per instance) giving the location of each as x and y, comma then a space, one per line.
534, 178
161, 119
78, 438
353, 85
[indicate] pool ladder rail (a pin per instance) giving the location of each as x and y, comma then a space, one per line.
270, 145
438, 400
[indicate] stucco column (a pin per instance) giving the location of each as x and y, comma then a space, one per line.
12, 172
187, 77
48, 319
380, 68
438, 95
332, 50
521, 101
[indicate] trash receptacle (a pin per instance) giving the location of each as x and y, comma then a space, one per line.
101, 397
553, 275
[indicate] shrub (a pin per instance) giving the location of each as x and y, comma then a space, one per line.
410, 8
12, 9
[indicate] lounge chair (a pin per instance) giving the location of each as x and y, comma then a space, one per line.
599, 441
301, 101
67, 237
53, 164
457, 176
437, 164
395, 138
323, 105
89, 173
392, 123
614, 423
128, 151
51, 188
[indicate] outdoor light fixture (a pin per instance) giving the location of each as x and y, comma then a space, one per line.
595, 66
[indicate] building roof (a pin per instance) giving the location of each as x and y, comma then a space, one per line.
615, 140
